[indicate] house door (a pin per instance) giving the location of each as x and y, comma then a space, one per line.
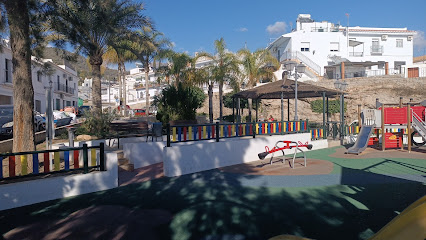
413, 72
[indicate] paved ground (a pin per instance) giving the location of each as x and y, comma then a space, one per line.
337, 196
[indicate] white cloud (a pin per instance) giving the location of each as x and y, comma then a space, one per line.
419, 40
277, 28
173, 44
243, 29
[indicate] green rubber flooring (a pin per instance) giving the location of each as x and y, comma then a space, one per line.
356, 200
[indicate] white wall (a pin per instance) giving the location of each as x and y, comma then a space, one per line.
29, 192
190, 158
143, 153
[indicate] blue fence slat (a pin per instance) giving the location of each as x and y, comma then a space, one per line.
35, 163
194, 132
209, 130
179, 134
237, 130
67, 160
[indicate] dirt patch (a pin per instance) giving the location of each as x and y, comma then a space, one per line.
417, 153
314, 167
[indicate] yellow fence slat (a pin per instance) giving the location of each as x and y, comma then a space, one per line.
93, 157
24, 164
56, 161
174, 134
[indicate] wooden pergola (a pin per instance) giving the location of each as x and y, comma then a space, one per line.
286, 90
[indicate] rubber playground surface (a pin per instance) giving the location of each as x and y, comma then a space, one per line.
337, 196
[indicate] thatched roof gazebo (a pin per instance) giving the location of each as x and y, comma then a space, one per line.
286, 90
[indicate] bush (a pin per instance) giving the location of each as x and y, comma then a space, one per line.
97, 124
179, 103
333, 106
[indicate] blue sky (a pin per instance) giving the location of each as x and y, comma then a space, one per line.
194, 25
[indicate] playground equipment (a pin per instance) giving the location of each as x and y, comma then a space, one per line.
409, 224
391, 122
288, 145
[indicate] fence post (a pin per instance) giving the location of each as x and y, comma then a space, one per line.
168, 134
102, 156
85, 159
217, 131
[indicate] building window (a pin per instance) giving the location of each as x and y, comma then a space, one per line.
58, 104
399, 43
39, 76
8, 70
38, 105
334, 47
305, 47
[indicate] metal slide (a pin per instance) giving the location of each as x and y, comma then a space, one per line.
419, 125
362, 140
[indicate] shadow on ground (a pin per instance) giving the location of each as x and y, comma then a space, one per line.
215, 205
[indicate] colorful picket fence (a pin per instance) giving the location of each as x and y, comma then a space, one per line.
317, 133
183, 133
52, 162
349, 130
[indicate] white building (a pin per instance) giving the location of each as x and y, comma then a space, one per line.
62, 78
324, 46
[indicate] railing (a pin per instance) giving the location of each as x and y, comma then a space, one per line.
303, 58
317, 133
356, 54
63, 88
197, 132
368, 73
376, 49
70, 161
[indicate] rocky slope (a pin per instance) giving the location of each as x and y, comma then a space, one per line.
363, 91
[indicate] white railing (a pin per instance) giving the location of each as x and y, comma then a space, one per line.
302, 58
376, 49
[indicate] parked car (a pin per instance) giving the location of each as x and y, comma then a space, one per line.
6, 120
82, 109
139, 112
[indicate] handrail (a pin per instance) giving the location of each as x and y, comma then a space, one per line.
303, 58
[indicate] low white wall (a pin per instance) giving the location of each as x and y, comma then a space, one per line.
142, 154
34, 191
190, 158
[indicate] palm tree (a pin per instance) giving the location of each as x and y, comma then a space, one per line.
92, 25
18, 18
116, 54
257, 65
226, 69
147, 45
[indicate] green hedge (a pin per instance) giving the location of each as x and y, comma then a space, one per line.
333, 106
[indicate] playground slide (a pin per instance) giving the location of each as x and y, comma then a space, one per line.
410, 224
362, 140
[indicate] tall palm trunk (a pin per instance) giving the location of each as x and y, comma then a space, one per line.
120, 83
221, 100
96, 62
210, 93
123, 76
147, 86
23, 92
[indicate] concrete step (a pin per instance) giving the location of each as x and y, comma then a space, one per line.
123, 161
120, 154
126, 167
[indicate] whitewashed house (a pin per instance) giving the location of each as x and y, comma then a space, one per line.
62, 78
335, 51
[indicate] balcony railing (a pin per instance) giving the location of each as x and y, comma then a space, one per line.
376, 49
356, 54
63, 88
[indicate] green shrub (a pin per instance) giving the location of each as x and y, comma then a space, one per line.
333, 106
179, 103
96, 123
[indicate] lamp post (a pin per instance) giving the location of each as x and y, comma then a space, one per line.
341, 85
298, 69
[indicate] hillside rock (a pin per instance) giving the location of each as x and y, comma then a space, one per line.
363, 91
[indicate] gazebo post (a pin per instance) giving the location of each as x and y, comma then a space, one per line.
282, 106
288, 109
256, 111
233, 110
328, 117
238, 111
323, 111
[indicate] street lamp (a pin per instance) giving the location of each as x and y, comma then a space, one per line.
298, 69
341, 85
